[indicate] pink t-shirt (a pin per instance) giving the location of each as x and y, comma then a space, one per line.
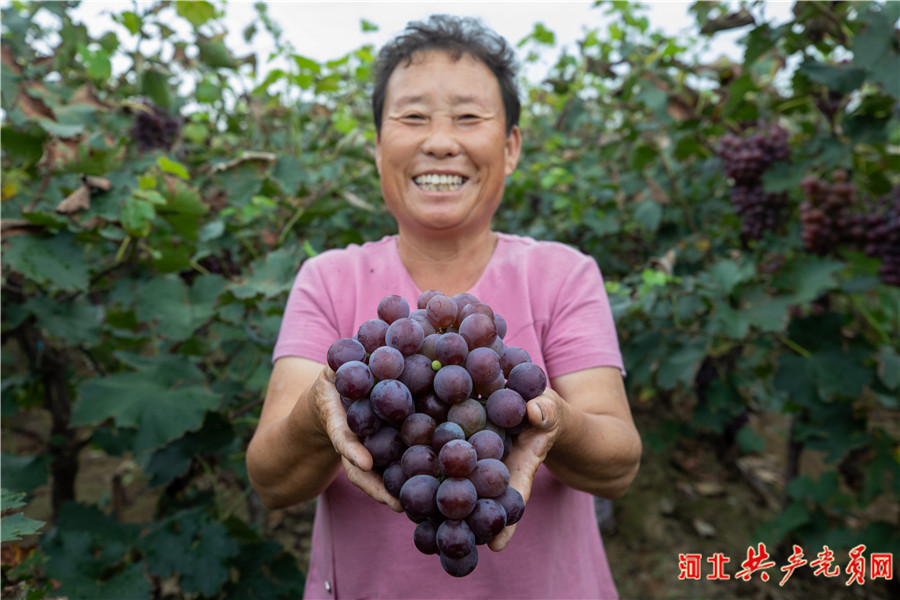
553, 300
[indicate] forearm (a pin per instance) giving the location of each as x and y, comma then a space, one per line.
291, 457
288, 463
599, 454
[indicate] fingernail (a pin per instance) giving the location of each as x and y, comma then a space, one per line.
353, 462
543, 416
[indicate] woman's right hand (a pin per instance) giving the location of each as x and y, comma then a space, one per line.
328, 410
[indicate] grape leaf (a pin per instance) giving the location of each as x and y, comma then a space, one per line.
56, 262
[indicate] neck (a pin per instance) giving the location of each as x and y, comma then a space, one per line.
452, 265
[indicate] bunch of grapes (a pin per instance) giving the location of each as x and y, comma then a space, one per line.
834, 217
154, 128
827, 217
437, 398
882, 237
745, 160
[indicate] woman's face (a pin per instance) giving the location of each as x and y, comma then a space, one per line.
443, 154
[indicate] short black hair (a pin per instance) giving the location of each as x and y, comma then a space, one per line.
456, 36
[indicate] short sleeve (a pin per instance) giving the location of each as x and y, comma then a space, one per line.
581, 333
309, 324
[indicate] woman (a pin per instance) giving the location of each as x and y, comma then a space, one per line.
446, 112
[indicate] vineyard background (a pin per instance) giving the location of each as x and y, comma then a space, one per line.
152, 222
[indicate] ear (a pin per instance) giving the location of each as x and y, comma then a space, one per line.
513, 149
378, 153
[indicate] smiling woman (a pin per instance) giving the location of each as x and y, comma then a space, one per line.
446, 109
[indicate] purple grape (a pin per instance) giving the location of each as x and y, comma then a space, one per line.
392, 307
461, 301
478, 330
345, 350
486, 520
500, 323
421, 317
457, 458
441, 310
371, 334
425, 537
426, 297
486, 390
487, 444
386, 362
406, 335
528, 379
454, 538
417, 374
428, 345
385, 446
418, 497
452, 384
475, 308
353, 380
512, 356
417, 428
490, 477
451, 349
483, 365
456, 497
419, 460
505, 408
468, 414
512, 501
432, 406
392, 401
393, 479
460, 567
445, 432
361, 418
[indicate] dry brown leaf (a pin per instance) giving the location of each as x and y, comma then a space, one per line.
97, 183
78, 200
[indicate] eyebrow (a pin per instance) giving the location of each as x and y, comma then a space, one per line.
456, 99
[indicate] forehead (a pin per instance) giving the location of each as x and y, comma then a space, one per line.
432, 72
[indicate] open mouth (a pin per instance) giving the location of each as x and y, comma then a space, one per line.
439, 183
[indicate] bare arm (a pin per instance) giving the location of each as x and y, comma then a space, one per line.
302, 439
583, 431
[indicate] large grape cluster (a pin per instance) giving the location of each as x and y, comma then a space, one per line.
154, 127
834, 217
437, 398
745, 160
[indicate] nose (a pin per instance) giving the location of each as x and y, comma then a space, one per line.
441, 139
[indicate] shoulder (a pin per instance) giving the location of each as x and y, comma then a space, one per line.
540, 252
351, 255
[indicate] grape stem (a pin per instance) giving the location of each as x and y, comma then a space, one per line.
795, 346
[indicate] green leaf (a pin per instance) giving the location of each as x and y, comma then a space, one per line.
366, 26
809, 277
155, 85
648, 214
842, 79
161, 413
55, 262
681, 365
889, 367
170, 166
24, 145
17, 525
197, 12
74, 323
885, 72
726, 274
24, 473
175, 310
193, 546
269, 276
60, 129
215, 54
137, 216
131, 21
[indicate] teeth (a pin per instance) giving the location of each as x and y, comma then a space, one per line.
433, 182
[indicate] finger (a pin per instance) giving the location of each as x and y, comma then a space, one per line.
502, 539
334, 417
371, 483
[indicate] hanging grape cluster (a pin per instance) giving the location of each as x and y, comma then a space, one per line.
154, 127
745, 160
437, 398
834, 217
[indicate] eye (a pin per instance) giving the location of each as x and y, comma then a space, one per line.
413, 117
468, 118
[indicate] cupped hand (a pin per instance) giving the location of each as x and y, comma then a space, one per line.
356, 460
546, 414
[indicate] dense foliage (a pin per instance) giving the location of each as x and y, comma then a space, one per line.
154, 216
